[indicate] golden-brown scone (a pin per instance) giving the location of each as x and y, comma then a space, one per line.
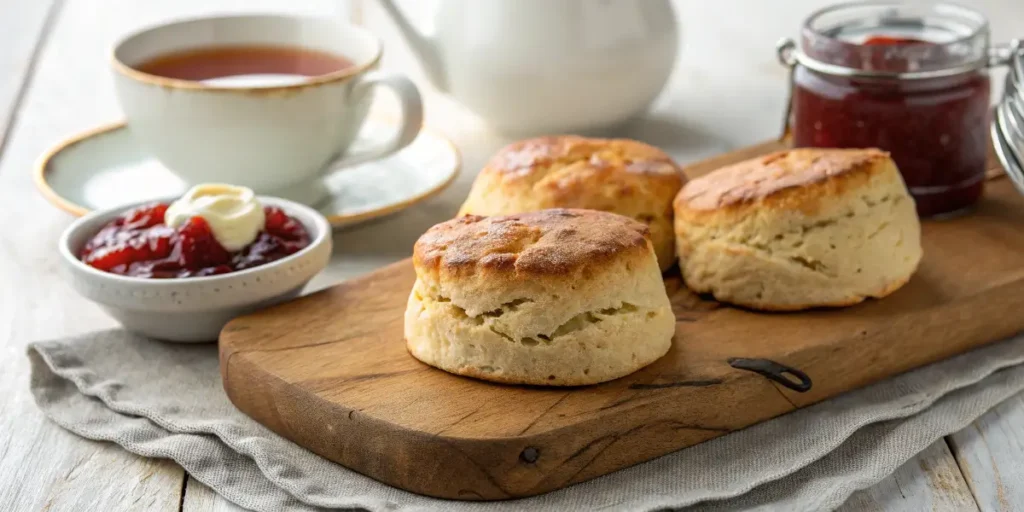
555, 297
613, 175
799, 229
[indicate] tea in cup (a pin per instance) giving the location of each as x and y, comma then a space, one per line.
269, 102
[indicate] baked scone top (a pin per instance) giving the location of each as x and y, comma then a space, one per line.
574, 172
541, 155
796, 178
543, 244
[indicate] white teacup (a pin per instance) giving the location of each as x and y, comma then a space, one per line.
278, 139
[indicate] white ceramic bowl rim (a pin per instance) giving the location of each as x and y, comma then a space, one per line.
307, 216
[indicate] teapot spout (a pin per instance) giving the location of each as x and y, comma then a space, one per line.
423, 46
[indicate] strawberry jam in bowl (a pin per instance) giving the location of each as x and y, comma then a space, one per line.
180, 270
139, 243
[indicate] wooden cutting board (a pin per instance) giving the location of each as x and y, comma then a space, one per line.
331, 373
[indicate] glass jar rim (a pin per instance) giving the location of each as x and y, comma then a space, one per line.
981, 29
964, 53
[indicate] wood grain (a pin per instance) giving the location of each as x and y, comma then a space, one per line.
141, 484
991, 455
929, 481
330, 371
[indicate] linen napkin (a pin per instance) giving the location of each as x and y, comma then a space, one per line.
166, 400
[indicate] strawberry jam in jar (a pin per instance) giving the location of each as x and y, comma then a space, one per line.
910, 79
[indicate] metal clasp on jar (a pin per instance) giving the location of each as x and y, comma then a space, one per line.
1008, 55
1008, 116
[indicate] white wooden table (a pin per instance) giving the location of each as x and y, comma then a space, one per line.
727, 92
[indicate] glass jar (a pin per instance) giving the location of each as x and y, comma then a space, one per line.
908, 79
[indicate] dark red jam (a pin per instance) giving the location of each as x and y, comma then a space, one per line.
888, 40
935, 128
139, 244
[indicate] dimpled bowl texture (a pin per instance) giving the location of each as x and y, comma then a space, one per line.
193, 309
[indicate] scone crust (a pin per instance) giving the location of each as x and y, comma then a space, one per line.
615, 175
796, 179
799, 229
556, 297
554, 244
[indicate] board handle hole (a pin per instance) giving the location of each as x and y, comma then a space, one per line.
788, 376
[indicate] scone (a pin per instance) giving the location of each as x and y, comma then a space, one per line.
614, 175
556, 297
799, 229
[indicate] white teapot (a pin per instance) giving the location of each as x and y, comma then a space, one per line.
547, 66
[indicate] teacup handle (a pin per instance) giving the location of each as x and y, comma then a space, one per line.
412, 117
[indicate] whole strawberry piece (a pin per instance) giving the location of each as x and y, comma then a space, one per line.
145, 216
199, 249
284, 227
115, 249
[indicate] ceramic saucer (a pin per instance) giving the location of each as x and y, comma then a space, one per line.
105, 168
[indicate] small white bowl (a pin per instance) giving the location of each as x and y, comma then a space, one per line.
194, 309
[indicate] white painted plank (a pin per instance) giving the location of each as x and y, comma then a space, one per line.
43, 467
929, 481
200, 498
87, 482
991, 454
21, 25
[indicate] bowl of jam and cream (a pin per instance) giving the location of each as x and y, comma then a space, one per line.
211, 230
910, 79
180, 270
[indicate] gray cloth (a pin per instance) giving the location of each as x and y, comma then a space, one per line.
164, 400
